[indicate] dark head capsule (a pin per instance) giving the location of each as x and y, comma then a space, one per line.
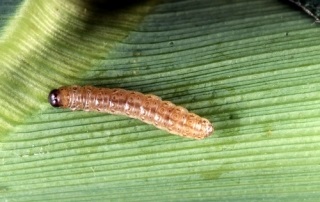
54, 98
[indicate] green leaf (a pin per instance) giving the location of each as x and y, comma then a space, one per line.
251, 68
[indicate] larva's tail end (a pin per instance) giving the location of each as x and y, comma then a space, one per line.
54, 98
208, 130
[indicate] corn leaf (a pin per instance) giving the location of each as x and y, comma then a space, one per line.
250, 67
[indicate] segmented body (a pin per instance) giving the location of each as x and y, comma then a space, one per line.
148, 108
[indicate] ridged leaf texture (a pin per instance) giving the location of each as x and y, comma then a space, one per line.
250, 67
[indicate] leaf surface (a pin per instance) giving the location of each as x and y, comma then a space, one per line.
251, 68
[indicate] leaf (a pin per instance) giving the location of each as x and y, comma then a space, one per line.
311, 7
249, 67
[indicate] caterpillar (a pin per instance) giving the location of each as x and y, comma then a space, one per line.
148, 108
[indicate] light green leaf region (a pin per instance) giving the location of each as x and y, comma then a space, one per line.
250, 67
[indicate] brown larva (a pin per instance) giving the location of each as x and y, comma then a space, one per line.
148, 108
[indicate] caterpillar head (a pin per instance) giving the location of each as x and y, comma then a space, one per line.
54, 98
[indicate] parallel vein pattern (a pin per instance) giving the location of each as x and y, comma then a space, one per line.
251, 67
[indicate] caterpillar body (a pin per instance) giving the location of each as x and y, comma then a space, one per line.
148, 108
